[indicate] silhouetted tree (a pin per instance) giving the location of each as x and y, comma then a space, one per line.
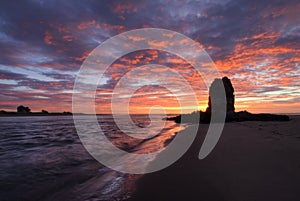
22, 109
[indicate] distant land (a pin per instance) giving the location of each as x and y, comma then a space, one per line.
26, 111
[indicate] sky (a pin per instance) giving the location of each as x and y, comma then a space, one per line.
43, 45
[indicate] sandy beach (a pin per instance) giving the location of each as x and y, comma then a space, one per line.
252, 161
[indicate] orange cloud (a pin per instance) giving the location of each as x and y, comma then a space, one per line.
156, 44
85, 25
83, 57
48, 39
122, 8
67, 38
110, 27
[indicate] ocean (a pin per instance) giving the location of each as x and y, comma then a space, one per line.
42, 158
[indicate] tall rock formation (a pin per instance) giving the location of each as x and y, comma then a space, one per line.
214, 91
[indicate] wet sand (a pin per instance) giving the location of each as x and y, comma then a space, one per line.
252, 161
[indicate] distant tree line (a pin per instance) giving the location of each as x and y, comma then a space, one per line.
23, 109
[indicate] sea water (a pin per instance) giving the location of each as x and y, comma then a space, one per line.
42, 158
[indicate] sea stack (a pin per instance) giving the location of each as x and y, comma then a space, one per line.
229, 92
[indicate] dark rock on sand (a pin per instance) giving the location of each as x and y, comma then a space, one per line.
247, 116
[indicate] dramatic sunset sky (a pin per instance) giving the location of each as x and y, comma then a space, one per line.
256, 43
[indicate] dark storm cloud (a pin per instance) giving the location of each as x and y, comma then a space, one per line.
59, 76
7, 75
47, 86
47, 28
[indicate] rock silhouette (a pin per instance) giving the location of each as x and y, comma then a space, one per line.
216, 102
229, 92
